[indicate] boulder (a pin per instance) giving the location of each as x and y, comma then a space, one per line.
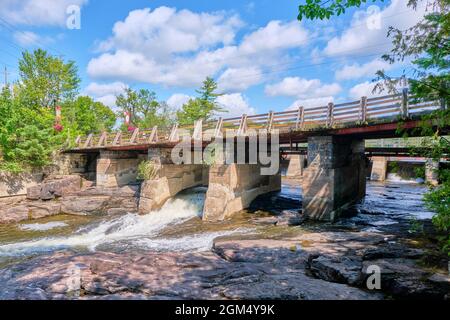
84, 205
340, 269
29, 210
290, 218
14, 214
55, 187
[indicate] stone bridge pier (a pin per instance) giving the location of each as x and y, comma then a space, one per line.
232, 187
169, 179
335, 177
117, 168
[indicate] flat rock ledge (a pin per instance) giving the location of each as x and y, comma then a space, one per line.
82, 201
326, 265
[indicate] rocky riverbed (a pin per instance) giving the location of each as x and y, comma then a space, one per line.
269, 253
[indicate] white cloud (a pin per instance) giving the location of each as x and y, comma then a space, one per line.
236, 105
302, 88
274, 36
29, 38
356, 71
105, 93
366, 36
164, 31
177, 100
311, 103
37, 12
364, 89
180, 48
238, 79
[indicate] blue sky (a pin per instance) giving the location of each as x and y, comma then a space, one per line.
261, 56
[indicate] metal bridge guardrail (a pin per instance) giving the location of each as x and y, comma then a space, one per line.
364, 111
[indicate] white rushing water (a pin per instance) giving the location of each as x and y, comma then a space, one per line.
42, 226
141, 231
393, 177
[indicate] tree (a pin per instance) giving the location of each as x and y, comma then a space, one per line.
144, 108
27, 134
324, 9
24, 141
45, 79
203, 107
428, 44
84, 116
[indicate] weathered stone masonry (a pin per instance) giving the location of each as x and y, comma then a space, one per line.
335, 176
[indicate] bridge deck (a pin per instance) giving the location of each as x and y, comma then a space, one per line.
368, 118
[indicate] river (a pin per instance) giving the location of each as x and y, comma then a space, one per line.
178, 228
178, 225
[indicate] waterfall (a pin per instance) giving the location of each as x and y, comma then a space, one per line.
137, 230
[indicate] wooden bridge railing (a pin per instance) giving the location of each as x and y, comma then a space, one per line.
374, 110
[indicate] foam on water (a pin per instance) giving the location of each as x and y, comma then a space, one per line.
196, 242
127, 227
42, 226
393, 177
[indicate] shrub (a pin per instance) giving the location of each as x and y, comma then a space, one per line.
147, 170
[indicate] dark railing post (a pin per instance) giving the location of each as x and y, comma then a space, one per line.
243, 126
405, 104
174, 134
270, 121
363, 109
300, 118
102, 139
117, 138
218, 130
88, 142
78, 141
330, 114
134, 136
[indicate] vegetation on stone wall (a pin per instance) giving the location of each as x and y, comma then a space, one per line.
147, 170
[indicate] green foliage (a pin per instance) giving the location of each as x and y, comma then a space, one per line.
84, 116
202, 107
415, 226
393, 167
438, 200
45, 79
320, 9
144, 108
420, 172
147, 170
27, 135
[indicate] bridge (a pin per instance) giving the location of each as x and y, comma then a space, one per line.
335, 176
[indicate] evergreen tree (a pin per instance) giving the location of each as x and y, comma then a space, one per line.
203, 107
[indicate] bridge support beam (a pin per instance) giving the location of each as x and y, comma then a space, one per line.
335, 176
296, 166
379, 168
431, 172
116, 168
232, 187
